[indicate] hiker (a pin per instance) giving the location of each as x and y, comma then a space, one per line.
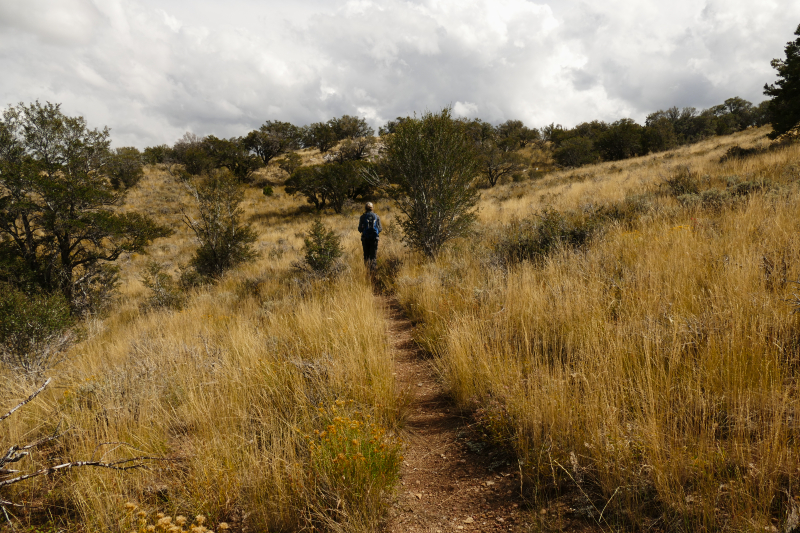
369, 226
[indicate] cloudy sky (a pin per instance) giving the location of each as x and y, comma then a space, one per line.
154, 69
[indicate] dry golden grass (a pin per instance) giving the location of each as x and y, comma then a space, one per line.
654, 373
229, 387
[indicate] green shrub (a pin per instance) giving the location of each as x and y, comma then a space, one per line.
60, 225
290, 162
683, 181
267, 190
576, 152
433, 163
321, 250
331, 183
737, 152
189, 277
535, 238
225, 242
164, 292
34, 329
125, 167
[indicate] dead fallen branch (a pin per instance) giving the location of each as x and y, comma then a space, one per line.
31, 397
18, 452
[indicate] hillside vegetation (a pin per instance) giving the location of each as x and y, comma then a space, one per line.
629, 332
270, 393
625, 331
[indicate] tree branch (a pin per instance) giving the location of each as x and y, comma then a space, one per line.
31, 397
122, 465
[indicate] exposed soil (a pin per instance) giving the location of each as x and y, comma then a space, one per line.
449, 480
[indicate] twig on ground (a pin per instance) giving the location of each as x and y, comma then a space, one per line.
16, 453
31, 397
122, 464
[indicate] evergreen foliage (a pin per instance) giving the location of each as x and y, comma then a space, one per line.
59, 225
190, 152
157, 155
225, 241
272, 139
331, 184
784, 108
307, 181
321, 249
33, 328
319, 135
514, 134
125, 167
290, 162
231, 154
495, 162
349, 127
433, 163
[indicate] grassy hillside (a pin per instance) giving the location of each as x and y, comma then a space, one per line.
239, 390
623, 330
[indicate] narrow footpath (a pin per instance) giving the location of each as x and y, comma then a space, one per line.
448, 482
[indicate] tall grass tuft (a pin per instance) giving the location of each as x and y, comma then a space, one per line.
225, 387
650, 372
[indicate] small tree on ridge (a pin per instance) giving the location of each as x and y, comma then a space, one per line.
225, 242
433, 164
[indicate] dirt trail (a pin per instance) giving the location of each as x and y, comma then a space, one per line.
448, 483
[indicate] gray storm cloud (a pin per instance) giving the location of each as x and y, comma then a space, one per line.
152, 71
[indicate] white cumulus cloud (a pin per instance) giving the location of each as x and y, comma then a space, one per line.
153, 70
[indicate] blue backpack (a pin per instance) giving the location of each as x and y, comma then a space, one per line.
370, 231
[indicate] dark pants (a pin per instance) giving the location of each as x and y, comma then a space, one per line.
370, 251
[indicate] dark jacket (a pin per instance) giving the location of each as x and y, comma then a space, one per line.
369, 226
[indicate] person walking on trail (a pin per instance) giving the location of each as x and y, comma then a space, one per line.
369, 226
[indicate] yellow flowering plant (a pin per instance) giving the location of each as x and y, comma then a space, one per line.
352, 458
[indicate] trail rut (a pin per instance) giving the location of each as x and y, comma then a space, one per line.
447, 482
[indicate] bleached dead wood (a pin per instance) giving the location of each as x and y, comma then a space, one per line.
18, 452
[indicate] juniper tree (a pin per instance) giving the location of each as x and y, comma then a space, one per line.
319, 135
433, 164
321, 249
784, 108
272, 139
59, 223
331, 183
125, 167
349, 127
225, 241
497, 163
231, 154
291, 162
191, 152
